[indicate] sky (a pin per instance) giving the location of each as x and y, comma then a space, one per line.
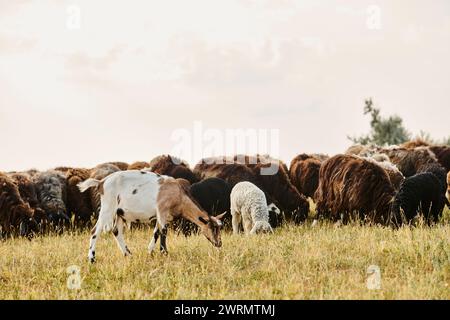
84, 82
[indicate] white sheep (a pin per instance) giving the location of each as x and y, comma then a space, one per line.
249, 207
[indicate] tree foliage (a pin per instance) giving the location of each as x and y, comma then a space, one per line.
384, 131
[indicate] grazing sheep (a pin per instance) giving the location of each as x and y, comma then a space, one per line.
123, 166
349, 184
421, 192
276, 185
409, 161
439, 172
15, 214
442, 152
51, 189
304, 174
395, 175
139, 165
173, 167
99, 173
140, 196
443, 155
79, 204
249, 207
213, 195
27, 191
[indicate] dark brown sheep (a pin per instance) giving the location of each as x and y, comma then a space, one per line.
304, 174
78, 204
27, 191
16, 216
139, 165
409, 161
442, 152
173, 167
349, 184
99, 173
443, 155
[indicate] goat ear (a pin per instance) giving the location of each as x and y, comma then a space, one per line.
203, 220
221, 216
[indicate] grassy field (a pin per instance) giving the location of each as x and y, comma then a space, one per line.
321, 262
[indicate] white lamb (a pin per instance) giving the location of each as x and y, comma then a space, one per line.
249, 207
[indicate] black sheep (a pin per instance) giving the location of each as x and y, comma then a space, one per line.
421, 191
213, 195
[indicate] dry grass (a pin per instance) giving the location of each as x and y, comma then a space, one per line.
324, 262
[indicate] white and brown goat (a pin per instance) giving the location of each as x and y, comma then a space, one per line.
140, 196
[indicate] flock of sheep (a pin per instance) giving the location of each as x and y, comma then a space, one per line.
388, 186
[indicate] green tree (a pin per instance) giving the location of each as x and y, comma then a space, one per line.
384, 131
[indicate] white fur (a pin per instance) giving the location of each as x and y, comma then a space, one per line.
249, 207
132, 191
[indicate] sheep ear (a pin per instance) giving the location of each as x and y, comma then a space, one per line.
221, 216
203, 220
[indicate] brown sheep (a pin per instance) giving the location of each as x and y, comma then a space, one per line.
78, 204
15, 213
123, 166
304, 174
27, 191
415, 143
173, 167
277, 185
442, 152
395, 175
139, 165
443, 155
409, 161
349, 184
99, 173
62, 169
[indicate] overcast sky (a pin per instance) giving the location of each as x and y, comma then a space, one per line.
117, 85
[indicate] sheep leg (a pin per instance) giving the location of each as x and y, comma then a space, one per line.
118, 235
248, 224
436, 209
426, 210
163, 246
152, 244
236, 221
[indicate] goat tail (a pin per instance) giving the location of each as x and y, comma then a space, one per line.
89, 183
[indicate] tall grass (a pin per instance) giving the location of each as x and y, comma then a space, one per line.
296, 262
